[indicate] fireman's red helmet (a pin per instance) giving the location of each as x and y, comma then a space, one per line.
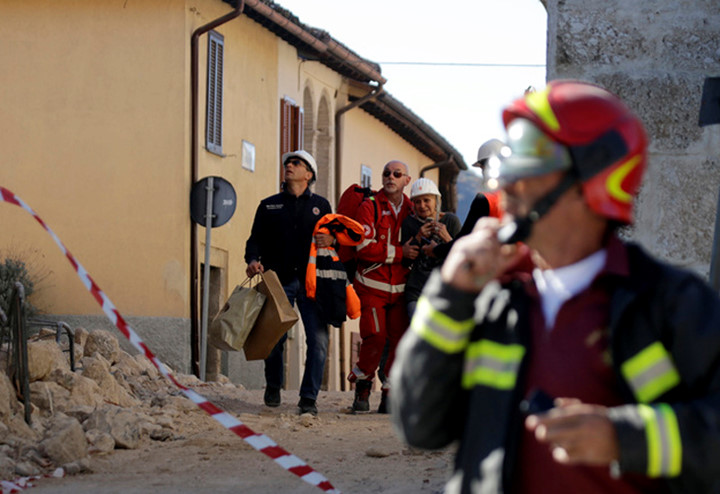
606, 143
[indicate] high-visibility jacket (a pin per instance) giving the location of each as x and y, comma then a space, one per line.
458, 370
379, 256
326, 280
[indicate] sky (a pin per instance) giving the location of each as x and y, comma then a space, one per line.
454, 63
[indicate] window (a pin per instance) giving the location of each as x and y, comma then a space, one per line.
365, 176
291, 128
213, 127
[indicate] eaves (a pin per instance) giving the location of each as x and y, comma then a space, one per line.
315, 44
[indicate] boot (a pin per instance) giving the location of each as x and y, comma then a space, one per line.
384, 401
307, 405
272, 396
362, 396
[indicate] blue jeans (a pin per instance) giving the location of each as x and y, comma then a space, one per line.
316, 338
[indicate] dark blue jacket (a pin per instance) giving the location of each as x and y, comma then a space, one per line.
282, 231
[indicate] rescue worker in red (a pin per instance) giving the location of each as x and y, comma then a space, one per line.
597, 372
380, 280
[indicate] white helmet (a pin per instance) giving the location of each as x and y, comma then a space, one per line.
424, 186
487, 150
305, 156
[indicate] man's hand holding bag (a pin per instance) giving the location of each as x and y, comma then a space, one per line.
231, 327
276, 318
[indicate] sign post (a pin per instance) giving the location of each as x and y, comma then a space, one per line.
212, 204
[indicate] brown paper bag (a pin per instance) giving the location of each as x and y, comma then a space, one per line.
276, 318
232, 325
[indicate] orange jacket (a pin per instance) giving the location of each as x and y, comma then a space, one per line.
326, 280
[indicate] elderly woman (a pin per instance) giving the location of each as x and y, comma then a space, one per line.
426, 226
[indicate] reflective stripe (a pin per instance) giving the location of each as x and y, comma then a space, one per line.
613, 184
332, 274
538, 102
440, 330
390, 253
664, 446
329, 252
365, 243
651, 373
492, 364
379, 285
375, 320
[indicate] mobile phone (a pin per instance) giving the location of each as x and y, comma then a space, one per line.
515, 231
538, 401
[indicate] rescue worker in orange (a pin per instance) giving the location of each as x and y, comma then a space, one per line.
380, 280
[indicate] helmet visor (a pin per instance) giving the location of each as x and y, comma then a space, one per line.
529, 153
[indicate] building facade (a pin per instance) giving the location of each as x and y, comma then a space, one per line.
112, 110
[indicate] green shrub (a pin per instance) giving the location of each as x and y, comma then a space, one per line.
13, 269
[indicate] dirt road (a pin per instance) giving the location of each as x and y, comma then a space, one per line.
356, 453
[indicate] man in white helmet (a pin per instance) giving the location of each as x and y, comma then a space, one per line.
484, 204
280, 240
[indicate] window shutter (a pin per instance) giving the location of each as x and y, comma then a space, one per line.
291, 128
298, 115
285, 126
213, 130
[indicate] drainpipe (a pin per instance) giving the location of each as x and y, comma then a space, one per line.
338, 132
450, 160
194, 84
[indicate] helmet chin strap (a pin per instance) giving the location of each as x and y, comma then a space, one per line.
520, 228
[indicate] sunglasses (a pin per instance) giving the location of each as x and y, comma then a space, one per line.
394, 173
296, 162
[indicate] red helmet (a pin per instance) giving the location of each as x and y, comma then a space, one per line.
606, 142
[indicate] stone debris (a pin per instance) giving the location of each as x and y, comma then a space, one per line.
378, 453
112, 400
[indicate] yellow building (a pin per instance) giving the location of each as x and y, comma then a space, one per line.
111, 110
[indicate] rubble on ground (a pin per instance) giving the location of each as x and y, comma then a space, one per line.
112, 400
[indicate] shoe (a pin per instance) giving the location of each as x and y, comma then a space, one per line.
307, 405
272, 396
384, 402
362, 396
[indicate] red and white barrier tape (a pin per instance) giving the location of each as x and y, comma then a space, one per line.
17, 485
22, 483
260, 442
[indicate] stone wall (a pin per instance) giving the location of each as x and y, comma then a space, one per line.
656, 56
